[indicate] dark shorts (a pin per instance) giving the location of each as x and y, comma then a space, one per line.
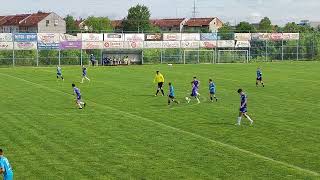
243, 110
78, 97
212, 92
160, 84
171, 97
259, 78
59, 74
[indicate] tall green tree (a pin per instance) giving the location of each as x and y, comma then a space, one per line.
138, 19
98, 24
291, 27
226, 32
71, 25
245, 27
265, 25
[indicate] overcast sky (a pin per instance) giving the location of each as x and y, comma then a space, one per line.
234, 11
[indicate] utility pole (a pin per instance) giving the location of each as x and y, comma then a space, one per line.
194, 11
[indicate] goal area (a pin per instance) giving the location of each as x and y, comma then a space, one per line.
199, 56
233, 56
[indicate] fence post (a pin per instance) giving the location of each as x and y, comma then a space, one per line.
59, 57
37, 57
282, 49
101, 58
161, 60
297, 50
142, 57
266, 50
81, 62
13, 55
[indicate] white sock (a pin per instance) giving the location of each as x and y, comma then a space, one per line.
82, 80
239, 120
87, 78
198, 100
79, 105
251, 121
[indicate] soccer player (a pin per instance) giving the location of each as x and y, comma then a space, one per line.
243, 108
171, 97
259, 77
59, 73
212, 90
5, 167
76, 91
84, 74
195, 88
160, 80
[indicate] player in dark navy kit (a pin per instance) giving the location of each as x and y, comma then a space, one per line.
194, 92
84, 74
59, 73
243, 108
259, 78
212, 90
79, 102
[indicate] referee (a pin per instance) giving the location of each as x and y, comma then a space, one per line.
160, 80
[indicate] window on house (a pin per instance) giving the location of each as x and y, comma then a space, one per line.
47, 22
56, 22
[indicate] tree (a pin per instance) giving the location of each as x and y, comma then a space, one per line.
245, 27
226, 32
98, 24
265, 25
71, 24
138, 19
291, 27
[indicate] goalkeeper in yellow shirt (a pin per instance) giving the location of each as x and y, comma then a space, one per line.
160, 80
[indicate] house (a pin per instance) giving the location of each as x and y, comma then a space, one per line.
81, 24
117, 25
203, 25
169, 25
39, 22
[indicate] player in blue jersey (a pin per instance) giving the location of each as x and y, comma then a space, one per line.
259, 77
59, 73
212, 90
76, 91
5, 168
243, 108
84, 74
195, 88
171, 97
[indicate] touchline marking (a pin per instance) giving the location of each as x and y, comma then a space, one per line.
180, 130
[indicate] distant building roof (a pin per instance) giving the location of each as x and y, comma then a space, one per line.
23, 19
14, 20
116, 23
33, 19
198, 22
167, 22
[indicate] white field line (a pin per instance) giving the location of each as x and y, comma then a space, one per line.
182, 131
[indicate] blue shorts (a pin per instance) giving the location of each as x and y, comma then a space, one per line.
243, 110
8, 176
259, 78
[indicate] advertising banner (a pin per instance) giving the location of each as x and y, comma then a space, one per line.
190, 37
25, 45
242, 36
260, 36
113, 45
71, 45
92, 45
48, 40
134, 37
153, 44
6, 45
133, 45
208, 36
6, 37
153, 37
190, 44
113, 37
208, 44
291, 36
242, 44
171, 44
172, 36
91, 37
68, 37
226, 43
25, 37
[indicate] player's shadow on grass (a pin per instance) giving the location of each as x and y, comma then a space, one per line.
218, 123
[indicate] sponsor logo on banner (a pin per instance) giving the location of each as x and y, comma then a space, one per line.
114, 44
91, 37
226, 43
190, 37
208, 36
134, 37
25, 37
92, 45
244, 44
172, 36
71, 45
133, 45
208, 44
242, 36
153, 44
171, 44
153, 37
113, 37
260, 36
189, 44
6, 37
276, 36
68, 37
6, 46
48, 40
291, 36
25, 45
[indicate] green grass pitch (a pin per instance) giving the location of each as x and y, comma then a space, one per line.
127, 133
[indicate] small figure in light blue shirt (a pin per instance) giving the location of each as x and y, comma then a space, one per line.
5, 167
171, 97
